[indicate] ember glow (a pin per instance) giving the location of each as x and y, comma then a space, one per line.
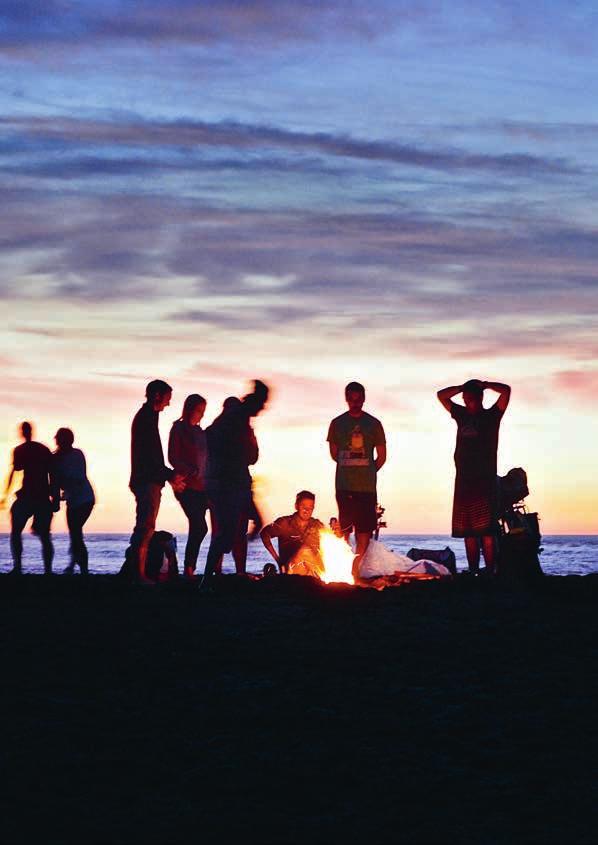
338, 559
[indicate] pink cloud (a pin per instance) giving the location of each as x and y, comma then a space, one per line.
582, 384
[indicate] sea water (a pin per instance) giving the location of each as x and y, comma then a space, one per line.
562, 554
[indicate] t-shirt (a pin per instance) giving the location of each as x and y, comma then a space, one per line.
356, 438
70, 475
291, 535
34, 460
477, 440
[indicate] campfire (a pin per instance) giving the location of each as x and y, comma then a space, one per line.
337, 557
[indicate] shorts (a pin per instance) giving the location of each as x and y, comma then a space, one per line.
356, 510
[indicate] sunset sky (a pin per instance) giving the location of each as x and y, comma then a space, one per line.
404, 194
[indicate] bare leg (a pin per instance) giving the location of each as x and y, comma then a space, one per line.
47, 552
472, 549
239, 549
362, 541
18, 516
489, 551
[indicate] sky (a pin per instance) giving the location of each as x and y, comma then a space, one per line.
309, 193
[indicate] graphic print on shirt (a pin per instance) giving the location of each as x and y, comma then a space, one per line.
468, 429
354, 454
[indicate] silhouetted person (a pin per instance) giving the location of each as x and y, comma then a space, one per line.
232, 448
298, 537
70, 482
353, 437
188, 454
149, 473
32, 500
475, 502
239, 547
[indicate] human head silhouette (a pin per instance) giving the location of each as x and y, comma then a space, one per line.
473, 393
64, 438
355, 396
158, 394
193, 409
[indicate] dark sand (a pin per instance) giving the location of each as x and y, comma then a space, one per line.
284, 711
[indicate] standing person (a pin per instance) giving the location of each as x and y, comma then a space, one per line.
32, 500
69, 475
298, 537
232, 448
149, 473
475, 501
188, 454
353, 437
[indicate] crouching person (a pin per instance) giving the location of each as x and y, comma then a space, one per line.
298, 539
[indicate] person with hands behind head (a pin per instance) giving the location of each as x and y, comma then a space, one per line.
475, 500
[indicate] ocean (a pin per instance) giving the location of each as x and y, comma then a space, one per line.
562, 554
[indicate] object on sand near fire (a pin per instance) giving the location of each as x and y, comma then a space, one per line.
338, 559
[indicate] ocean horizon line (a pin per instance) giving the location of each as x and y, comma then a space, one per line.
385, 534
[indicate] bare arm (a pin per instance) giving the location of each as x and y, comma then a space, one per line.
380, 456
446, 394
7, 486
267, 541
503, 390
333, 451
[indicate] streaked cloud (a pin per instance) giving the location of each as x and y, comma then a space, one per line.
198, 134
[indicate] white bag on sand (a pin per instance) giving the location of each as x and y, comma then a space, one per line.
378, 561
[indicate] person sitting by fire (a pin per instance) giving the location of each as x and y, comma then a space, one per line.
298, 539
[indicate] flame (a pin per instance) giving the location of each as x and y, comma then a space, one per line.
338, 559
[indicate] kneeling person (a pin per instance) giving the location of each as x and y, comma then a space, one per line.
298, 538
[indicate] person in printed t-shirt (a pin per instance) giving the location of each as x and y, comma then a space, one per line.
298, 538
353, 438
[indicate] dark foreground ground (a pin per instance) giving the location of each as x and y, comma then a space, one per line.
284, 711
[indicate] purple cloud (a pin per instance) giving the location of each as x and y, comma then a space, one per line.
193, 134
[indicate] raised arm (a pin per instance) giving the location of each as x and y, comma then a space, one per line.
446, 394
503, 390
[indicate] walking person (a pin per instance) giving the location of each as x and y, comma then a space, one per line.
34, 460
149, 473
70, 482
232, 448
188, 454
357, 445
475, 500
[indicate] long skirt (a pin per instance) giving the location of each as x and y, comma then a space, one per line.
475, 506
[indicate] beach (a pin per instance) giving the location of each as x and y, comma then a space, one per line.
283, 710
